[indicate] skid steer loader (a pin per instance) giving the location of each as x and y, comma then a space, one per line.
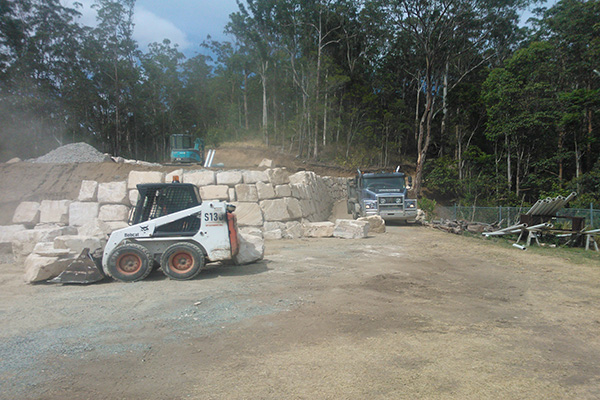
171, 227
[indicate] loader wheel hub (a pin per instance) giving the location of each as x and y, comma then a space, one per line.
182, 262
129, 263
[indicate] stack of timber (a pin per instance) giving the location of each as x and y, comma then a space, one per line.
460, 226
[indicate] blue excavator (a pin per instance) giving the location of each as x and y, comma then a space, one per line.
186, 149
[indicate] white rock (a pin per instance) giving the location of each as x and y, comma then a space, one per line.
318, 229
351, 229
113, 212
46, 249
80, 213
39, 268
139, 177
278, 176
251, 230
8, 232
95, 228
252, 248
293, 206
199, 178
274, 234
27, 213
133, 197
255, 176
14, 160
275, 210
265, 191
229, 178
246, 192
303, 178
171, 175
266, 163
88, 191
272, 225
214, 192
283, 191
293, 230
232, 195
77, 243
54, 212
249, 214
116, 225
376, 223
113, 193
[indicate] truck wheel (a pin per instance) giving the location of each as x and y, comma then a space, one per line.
182, 261
130, 262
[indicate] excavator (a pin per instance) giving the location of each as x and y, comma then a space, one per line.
171, 228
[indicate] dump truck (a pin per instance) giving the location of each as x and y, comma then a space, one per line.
381, 193
171, 229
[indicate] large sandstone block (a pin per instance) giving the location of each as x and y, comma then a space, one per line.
77, 243
80, 213
273, 234
113, 193
139, 177
275, 210
255, 176
252, 248
133, 197
27, 213
46, 249
303, 178
278, 176
39, 268
293, 206
249, 214
54, 211
88, 191
199, 178
318, 229
293, 230
351, 229
113, 212
266, 163
265, 191
376, 223
246, 192
229, 178
283, 191
95, 228
24, 242
214, 192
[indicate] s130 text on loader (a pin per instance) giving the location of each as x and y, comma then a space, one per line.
172, 228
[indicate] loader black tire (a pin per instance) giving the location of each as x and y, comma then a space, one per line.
130, 262
182, 261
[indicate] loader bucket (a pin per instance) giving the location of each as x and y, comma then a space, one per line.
82, 270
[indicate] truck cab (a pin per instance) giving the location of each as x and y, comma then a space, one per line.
383, 194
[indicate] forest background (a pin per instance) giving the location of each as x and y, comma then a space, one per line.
485, 109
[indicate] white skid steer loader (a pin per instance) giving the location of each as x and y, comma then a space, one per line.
171, 227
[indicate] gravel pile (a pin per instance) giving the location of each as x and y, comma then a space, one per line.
72, 153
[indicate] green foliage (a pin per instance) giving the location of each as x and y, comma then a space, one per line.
428, 206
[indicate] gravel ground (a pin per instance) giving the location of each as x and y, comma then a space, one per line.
409, 314
72, 153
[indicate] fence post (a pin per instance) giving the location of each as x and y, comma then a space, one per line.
454, 210
500, 215
591, 215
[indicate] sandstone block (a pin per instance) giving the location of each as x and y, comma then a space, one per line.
255, 176
95, 228
54, 212
318, 229
293, 206
113, 212
232, 195
293, 230
214, 192
88, 191
80, 213
178, 172
229, 178
116, 225
249, 214
272, 225
265, 190
351, 229
278, 176
77, 243
303, 178
252, 248
27, 213
39, 268
246, 192
113, 193
283, 191
133, 197
274, 234
46, 249
199, 178
275, 210
251, 230
376, 223
139, 177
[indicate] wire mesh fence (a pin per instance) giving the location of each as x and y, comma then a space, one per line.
507, 216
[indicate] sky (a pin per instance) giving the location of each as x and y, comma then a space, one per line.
184, 22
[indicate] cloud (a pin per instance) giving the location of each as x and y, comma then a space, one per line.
148, 28
151, 28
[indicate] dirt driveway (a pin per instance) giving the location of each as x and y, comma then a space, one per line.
410, 314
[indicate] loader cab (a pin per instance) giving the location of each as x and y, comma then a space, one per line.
159, 199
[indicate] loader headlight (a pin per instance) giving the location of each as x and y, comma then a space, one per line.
230, 208
412, 204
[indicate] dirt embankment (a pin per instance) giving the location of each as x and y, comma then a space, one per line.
26, 181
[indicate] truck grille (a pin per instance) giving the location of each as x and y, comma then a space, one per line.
386, 203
